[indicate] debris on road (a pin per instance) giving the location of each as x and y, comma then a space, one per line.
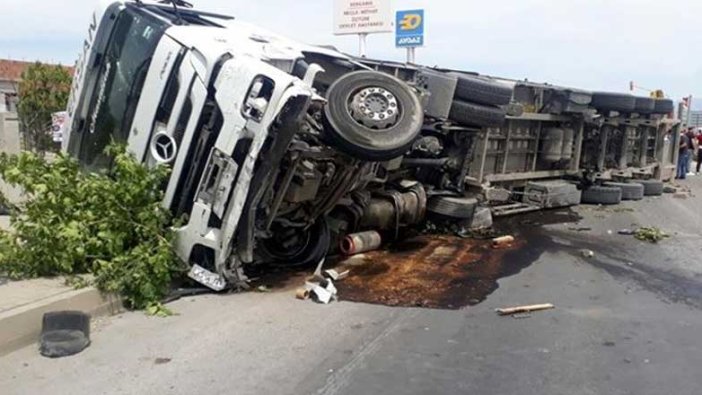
335, 275
651, 234
357, 243
320, 286
524, 309
502, 242
669, 189
587, 253
64, 333
580, 229
626, 232
680, 195
161, 361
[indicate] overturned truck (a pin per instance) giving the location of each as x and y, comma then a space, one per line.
278, 150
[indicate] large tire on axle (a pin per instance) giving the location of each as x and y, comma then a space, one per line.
652, 187
663, 106
372, 116
453, 207
601, 195
630, 191
476, 115
644, 105
481, 90
607, 101
306, 248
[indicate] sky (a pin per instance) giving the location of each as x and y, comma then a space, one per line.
588, 44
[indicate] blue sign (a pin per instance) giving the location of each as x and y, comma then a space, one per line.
409, 28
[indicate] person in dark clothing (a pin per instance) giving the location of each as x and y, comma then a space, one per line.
699, 150
683, 157
692, 149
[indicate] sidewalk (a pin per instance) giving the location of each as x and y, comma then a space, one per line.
23, 304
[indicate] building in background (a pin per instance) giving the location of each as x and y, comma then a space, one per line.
696, 118
10, 76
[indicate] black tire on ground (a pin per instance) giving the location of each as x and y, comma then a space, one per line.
453, 207
363, 139
476, 114
313, 249
652, 187
608, 101
644, 105
64, 333
663, 106
630, 190
601, 195
482, 90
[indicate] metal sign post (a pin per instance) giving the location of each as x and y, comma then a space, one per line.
362, 44
409, 31
362, 17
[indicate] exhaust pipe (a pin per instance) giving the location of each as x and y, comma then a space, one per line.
357, 243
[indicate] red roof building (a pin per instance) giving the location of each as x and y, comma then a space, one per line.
10, 74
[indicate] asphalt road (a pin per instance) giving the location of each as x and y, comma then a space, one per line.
626, 322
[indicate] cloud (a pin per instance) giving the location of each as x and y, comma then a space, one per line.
591, 44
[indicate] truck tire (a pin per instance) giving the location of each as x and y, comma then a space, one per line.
476, 114
371, 116
64, 333
663, 106
310, 252
453, 207
608, 101
601, 195
652, 187
481, 90
630, 190
644, 105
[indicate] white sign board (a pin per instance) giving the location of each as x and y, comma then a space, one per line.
362, 16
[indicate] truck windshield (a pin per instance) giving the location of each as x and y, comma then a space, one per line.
125, 64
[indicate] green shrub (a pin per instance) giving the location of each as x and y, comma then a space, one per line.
109, 225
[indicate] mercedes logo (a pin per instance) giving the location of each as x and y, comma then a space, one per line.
163, 148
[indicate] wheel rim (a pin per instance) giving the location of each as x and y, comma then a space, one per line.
287, 244
374, 107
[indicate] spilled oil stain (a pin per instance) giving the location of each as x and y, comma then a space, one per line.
447, 272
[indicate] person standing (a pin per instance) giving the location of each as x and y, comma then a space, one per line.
699, 150
692, 149
683, 156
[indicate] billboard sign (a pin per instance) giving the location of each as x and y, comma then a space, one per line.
362, 16
409, 28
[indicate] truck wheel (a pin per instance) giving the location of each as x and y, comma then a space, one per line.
372, 116
663, 106
453, 207
652, 187
601, 195
644, 105
481, 90
476, 114
630, 191
295, 247
608, 101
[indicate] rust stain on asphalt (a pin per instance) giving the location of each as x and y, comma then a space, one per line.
447, 272
435, 271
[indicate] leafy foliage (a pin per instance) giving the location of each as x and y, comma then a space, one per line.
43, 90
109, 225
651, 234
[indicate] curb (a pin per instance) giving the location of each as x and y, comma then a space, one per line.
20, 327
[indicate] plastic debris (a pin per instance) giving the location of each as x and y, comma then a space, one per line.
502, 242
524, 309
587, 253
